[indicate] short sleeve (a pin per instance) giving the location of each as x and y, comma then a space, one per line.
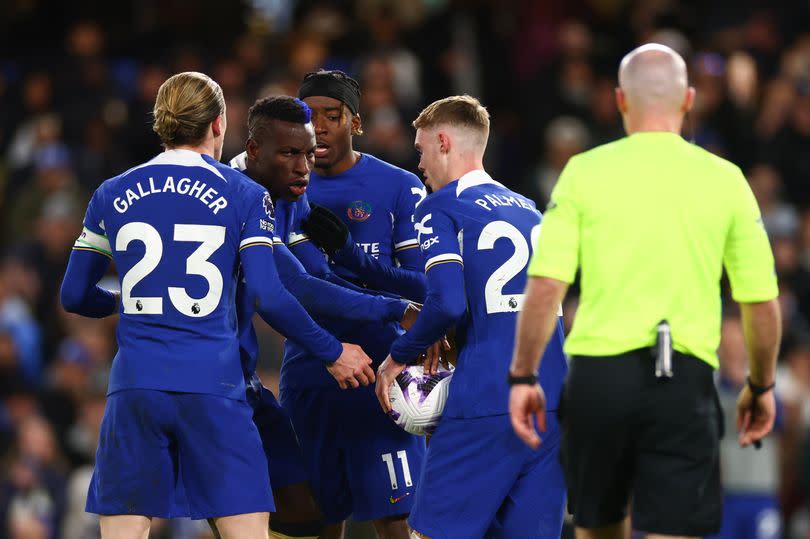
93, 236
259, 227
556, 252
437, 235
748, 258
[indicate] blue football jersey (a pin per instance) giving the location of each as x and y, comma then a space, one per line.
174, 227
488, 230
376, 200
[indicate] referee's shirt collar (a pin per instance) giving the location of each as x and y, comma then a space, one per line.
473, 178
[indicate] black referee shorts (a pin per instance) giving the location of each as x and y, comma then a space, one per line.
627, 434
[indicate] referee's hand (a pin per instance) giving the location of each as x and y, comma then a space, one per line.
525, 403
755, 415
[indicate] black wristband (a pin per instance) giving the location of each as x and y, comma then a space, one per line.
758, 390
528, 380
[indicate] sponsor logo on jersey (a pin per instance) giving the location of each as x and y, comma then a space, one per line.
266, 225
428, 243
359, 211
395, 500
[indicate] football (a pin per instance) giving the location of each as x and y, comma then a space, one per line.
417, 399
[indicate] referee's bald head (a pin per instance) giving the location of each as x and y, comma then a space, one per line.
653, 79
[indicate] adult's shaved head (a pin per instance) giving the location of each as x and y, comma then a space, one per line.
653, 79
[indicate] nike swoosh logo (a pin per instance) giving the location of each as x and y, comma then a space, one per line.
395, 500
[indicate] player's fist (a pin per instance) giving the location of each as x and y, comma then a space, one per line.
352, 368
325, 229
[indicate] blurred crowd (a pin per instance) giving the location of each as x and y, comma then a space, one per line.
77, 84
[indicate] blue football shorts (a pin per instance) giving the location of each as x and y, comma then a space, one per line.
284, 460
358, 461
481, 480
165, 454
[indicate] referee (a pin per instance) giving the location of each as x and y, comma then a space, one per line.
651, 221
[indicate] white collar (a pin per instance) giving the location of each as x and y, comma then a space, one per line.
473, 178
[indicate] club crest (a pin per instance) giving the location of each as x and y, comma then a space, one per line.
359, 211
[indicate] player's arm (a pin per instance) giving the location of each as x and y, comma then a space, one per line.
315, 264
88, 263
444, 305
347, 363
320, 297
328, 231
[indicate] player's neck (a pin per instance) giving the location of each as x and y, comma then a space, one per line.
341, 166
204, 148
462, 167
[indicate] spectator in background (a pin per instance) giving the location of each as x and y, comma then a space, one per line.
33, 493
565, 137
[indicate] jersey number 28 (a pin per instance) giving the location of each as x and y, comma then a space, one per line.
496, 300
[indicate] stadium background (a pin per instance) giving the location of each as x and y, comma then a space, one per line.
78, 79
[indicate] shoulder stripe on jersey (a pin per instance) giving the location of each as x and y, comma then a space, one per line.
90, 240
255, 240
277, 240
83, 248
407, 244
443, 259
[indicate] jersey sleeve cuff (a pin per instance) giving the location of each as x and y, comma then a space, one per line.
331, 354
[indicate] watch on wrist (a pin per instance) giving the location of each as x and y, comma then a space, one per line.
529, 379
758, 390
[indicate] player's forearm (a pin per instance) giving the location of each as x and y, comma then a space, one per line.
536, 323
407, 283
444, 306
280, 309
80, 293
320, 297
762, 326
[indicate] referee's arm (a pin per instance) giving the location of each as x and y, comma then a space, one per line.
536, 322
749, 264
551, 270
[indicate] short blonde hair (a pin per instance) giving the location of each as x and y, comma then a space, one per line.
458, 111
186, 105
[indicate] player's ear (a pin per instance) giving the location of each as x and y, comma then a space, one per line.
252, 148
218, 126
357, 124
444, 142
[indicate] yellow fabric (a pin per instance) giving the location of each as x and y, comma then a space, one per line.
651, 220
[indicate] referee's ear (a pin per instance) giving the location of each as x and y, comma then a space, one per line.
621, 100
688, 100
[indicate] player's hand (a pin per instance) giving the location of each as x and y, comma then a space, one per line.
325, 229
525, 403
352, 368
435, 355
755, 415
387, 372
410, 315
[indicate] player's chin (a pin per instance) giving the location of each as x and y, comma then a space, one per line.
290, 196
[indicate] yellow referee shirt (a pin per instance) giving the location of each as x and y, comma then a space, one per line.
651, 220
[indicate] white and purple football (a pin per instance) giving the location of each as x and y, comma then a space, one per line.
417, 399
